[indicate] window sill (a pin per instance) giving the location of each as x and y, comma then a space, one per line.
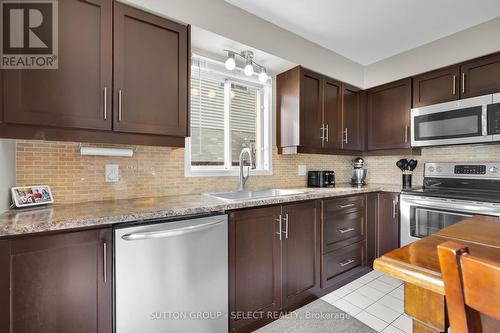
224, 173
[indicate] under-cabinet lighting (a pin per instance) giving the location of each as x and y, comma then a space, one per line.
118, 152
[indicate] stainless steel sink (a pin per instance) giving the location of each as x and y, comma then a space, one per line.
255, 194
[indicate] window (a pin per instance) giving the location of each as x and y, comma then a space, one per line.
229, 112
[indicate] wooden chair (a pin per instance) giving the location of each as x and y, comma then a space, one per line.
472, 287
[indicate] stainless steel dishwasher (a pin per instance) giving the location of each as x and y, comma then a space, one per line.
172, 276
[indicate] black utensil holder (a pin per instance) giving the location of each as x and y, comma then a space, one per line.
406, 181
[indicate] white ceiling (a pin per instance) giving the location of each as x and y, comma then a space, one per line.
208, 44
367, 31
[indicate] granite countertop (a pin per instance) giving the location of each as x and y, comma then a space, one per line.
106, 213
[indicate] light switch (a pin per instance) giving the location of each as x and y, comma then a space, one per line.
111, 173
302, 170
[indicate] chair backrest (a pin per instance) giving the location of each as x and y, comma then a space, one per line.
472, 287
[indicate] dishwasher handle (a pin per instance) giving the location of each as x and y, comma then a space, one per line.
170, 233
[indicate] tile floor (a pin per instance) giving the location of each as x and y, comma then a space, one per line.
375, 299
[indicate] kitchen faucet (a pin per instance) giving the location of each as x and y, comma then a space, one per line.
243, 178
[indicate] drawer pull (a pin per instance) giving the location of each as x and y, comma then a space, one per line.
347, 206
347, 262
345, 230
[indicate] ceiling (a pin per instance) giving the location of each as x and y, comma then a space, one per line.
211, 45
369, 31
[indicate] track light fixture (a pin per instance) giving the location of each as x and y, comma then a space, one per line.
248, 56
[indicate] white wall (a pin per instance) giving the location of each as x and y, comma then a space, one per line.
7, 171
234, 23
461, 46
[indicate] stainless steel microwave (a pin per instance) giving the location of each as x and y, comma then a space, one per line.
471, 120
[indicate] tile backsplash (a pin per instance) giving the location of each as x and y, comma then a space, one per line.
383, 169
152, 171
159, 171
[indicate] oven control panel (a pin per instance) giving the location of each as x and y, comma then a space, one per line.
463, 170
470, 169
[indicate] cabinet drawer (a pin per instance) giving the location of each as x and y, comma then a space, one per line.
343, 229
340, 261
342, 205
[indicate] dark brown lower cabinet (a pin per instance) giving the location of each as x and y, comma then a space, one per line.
254, 266
343, 238
271, 268
382, 224
57, 283
301, 248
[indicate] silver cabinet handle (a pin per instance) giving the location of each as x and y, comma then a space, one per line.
346, 230
345, 133
286, 226
105, 101
347, 262
279, 220
463, 83
454, 84
171, 233
394, 209
120, 104
322, 133
105, 261
327, 133
347, 206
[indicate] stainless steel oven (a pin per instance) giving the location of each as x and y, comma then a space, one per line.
471, 120
423, 216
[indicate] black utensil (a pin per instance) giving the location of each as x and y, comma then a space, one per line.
400, 164
405, 164
412, 164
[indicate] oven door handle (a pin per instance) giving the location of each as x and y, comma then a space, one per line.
466, 207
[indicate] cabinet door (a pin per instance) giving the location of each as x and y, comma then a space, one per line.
436, 87
371, 227
301, 252
480, 76
332, 108
351, 118
254, 264
150, 73
60, 283
388, 223
389, 116
78, 93
4, 286
311, 110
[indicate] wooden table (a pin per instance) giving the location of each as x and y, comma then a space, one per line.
417, 264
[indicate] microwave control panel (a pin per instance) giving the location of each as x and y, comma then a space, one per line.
494, 119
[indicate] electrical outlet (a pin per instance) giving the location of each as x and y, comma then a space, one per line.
111, 173
302, 170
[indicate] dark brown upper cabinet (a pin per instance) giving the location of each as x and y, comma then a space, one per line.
480, 76
57, 283
122, 83
311, 110
78, 94
310, 114
435, 87
332, 113
388, 113
352, 128
150, 73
